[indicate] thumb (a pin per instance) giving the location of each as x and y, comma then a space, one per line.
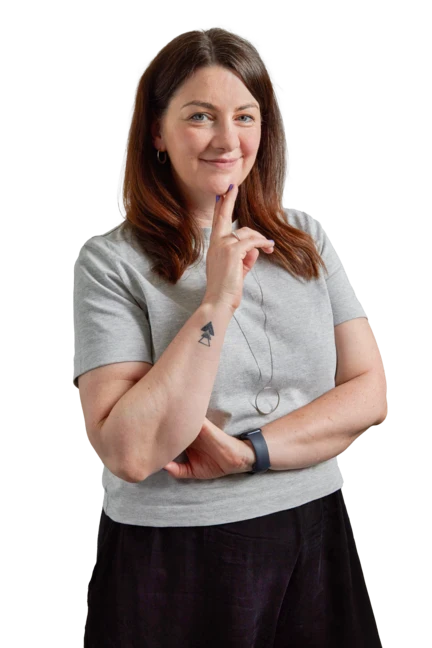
175, 469
249, 260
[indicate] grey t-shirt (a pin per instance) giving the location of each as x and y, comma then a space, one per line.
124, 312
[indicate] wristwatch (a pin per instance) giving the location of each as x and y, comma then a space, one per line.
261, 450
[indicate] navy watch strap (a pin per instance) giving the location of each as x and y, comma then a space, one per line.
261, 450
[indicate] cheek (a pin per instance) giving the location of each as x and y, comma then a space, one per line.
187, 142
250, 153
195, 140
251, 144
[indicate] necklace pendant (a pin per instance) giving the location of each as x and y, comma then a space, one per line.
266, 401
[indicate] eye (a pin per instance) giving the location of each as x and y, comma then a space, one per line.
205, 115
192, 118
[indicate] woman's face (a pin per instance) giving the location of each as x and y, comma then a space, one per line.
229, 128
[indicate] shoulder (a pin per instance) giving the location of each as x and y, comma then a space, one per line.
95, 254
302, 219
115, 238
305, 222
116, 248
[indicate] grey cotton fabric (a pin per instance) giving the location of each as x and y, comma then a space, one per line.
124, 312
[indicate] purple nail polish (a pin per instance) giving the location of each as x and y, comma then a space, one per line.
230, 187
217, 198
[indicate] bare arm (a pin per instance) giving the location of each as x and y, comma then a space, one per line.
325, 427
162, 414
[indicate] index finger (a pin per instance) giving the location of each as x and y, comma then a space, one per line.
222, 218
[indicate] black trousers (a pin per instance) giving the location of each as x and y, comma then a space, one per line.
287, 580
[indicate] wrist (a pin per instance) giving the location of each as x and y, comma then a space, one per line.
218, 304
249, 456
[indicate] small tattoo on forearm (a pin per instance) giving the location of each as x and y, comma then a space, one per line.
208, 331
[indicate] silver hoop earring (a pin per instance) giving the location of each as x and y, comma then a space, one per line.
159, 160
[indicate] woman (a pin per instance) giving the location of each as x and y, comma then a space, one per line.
219, 383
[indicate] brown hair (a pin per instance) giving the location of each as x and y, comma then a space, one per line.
155, 209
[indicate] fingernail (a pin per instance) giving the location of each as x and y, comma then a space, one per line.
217, 198
271, 241
230, 187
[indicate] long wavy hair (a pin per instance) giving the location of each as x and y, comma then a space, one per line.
157, 213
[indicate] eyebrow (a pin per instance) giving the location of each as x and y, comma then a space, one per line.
205, 104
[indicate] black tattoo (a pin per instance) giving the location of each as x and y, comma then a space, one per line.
208, 331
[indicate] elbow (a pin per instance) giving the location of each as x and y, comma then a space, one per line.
386, 411
130, 473
383, 414
131, 478
127, 476
379, 386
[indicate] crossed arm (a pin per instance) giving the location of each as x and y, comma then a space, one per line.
326, 427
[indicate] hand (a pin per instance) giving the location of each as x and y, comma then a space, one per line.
214, 453
229, 260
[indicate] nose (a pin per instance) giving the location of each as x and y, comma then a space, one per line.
225, 136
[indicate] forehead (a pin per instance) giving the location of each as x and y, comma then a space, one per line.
214, 85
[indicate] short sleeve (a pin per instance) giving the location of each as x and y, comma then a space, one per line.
109, 325
344, 302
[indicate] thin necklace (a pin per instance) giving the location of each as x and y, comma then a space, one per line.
264, 402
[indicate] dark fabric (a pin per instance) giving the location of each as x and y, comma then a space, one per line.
287, 580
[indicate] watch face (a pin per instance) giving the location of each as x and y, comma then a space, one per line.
250, 432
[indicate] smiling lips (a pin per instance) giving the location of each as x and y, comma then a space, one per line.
222, 163
222, 160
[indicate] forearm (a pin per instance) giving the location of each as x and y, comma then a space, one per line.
325, 427
162, 414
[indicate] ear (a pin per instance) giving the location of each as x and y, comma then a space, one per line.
156, 135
